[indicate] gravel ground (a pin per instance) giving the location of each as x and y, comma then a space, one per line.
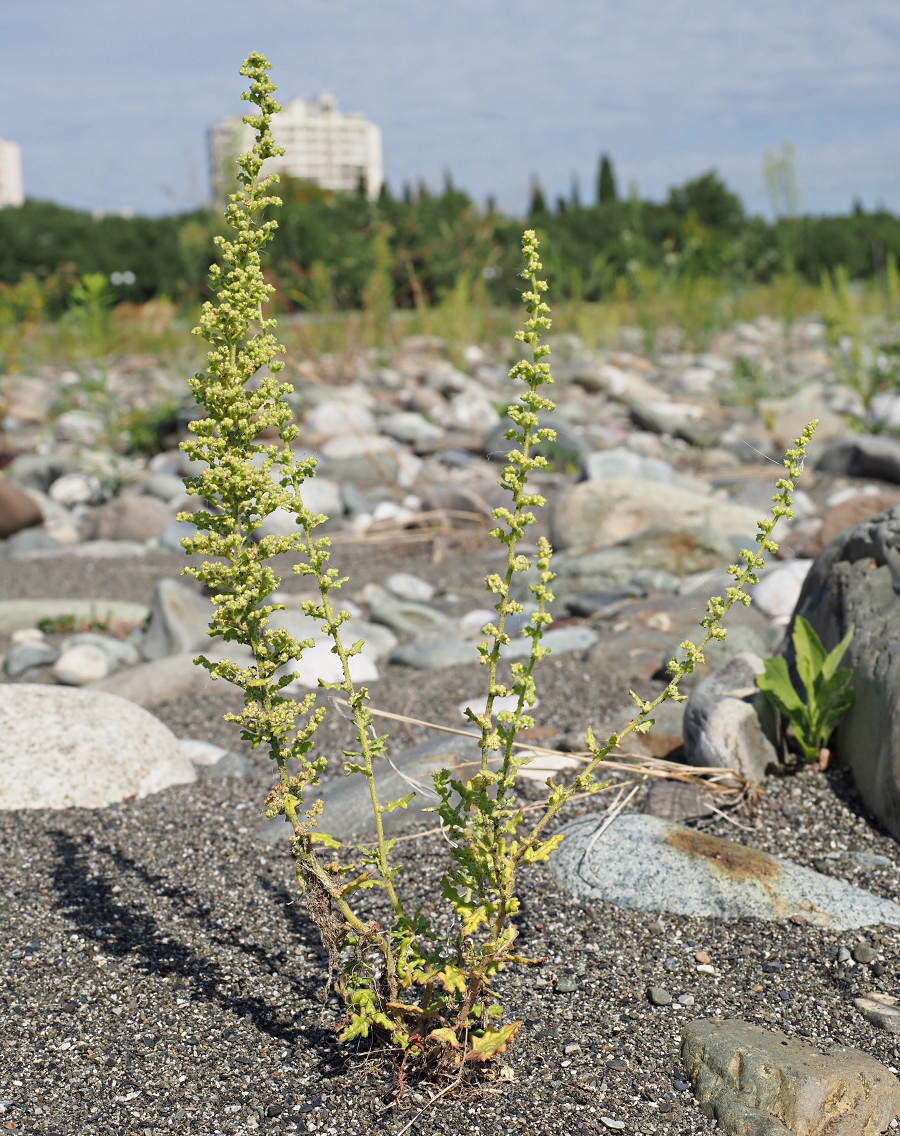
158, 975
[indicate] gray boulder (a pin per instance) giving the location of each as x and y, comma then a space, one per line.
856, 582
179, 620
758, 1082
69, 748
863, 455
721, 723
644, 863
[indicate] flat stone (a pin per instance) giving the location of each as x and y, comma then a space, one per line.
757, 1081
23, 656
65, 747
348, 806
16, 614
645, 863
882, 1010
863, 455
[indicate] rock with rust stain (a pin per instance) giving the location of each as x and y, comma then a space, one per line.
643, 862
755, 1080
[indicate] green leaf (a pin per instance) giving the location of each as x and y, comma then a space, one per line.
446, 1035
492, 1041
809, 653
775, 684
829, 666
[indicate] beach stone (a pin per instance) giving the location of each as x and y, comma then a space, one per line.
179, 620
647, 864
828, 402
16, 614
845, 515
882, 1010
77, 489
433, 653
120, 652
18, 510
39, 471
721, 722
65, 747
132, 517
405, 586
568, 453
884, 411
862, 455
406, 617
23, 656
29, 544
81, 664
337, 418
410, 428
348, 804
612, 570
759, 1082
597, 514
603, 465
856, 582
318, 664
778, 589
320, 495
162, 680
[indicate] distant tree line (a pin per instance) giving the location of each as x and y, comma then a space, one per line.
334, 249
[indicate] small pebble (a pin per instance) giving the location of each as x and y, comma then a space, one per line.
565, 985
702, 957
685, 999
671, 964
658, 996
877, 969
706, 968
863, 953
843, 954
680, 1086
610, 1122
773, 966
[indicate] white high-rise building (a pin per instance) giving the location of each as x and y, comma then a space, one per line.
12, 191
321, 145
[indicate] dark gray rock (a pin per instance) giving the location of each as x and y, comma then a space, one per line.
856, 582
863, 455
721, 723
759, 1082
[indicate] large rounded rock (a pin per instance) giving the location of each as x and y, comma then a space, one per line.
855, 582
65, 747
597, 514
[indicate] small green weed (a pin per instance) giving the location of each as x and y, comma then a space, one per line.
828, 691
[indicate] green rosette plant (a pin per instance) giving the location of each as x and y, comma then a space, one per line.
428, 993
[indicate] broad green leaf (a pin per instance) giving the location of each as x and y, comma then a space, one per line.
492, 1041
829, 666
776, 685
809, 653
452, 978
446, 1035
324, 839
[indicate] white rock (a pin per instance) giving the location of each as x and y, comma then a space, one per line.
81, 664
77, 489
200, 752
778, 590
68, 748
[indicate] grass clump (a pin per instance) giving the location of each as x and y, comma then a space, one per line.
427, 992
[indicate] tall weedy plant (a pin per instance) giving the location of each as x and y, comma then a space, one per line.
430, 993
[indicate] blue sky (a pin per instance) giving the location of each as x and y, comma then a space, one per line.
110, 99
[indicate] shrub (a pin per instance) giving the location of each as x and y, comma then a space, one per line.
430, 994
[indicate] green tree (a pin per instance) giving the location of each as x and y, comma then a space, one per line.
607, 193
